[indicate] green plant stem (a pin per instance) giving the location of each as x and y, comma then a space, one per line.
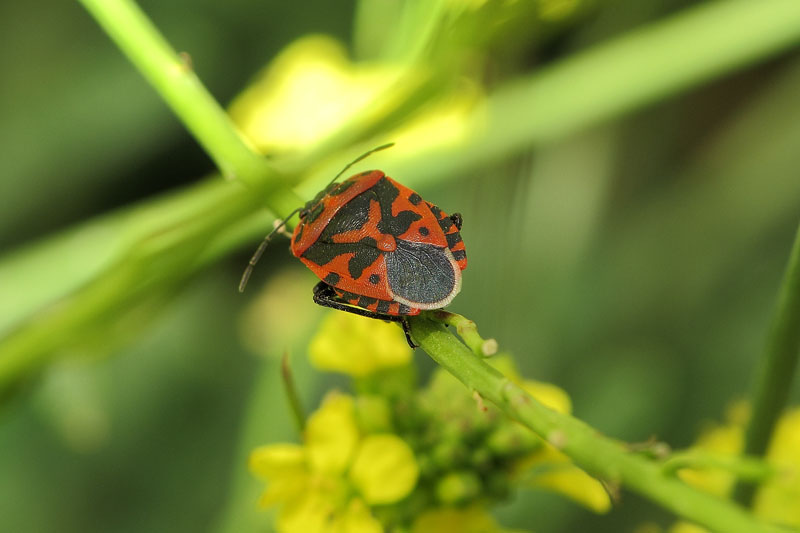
695, 45
296, 405
778, 365
597, 454
654, 62
172, 76
468, 331
749, 468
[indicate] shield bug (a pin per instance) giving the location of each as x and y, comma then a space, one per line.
379, 249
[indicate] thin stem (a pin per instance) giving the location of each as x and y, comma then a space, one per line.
468, 331
744, 468
597, 454
777, 368
172, 76
298, 413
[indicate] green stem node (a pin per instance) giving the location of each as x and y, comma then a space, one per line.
468, 331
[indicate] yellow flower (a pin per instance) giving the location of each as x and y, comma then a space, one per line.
549, 395
550, 469
327, 484
357, 345
777, 498
308, 91
472, 519
381, 458
331, 434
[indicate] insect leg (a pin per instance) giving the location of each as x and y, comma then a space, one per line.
325, 296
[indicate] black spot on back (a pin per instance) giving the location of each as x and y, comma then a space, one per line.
424, 231
453, 238
415, 199
374, 279
332, 279
365, 301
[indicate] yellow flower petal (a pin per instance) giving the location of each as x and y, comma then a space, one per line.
724, 440
550, 395
577, 485
277, 460
384, 469
778, 499
331, 434
357, 518
551, 469
284, 490
357, 345
473, 519
310, 513
309, 90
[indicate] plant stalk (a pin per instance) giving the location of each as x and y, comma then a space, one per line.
778, 366
601, 456
172, 77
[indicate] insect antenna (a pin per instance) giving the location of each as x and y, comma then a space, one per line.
263, 246
360, 158
260, 250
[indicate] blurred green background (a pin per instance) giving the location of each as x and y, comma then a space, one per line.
635, 263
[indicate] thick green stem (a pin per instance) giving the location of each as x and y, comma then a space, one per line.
172, 76
597, 454
778, 366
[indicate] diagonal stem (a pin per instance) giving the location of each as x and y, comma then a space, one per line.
777, 368
599, 455
173, 78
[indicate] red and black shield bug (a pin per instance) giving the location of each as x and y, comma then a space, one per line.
380, 250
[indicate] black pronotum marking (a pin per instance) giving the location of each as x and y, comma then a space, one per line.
315, 212
343, 186
354, 215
